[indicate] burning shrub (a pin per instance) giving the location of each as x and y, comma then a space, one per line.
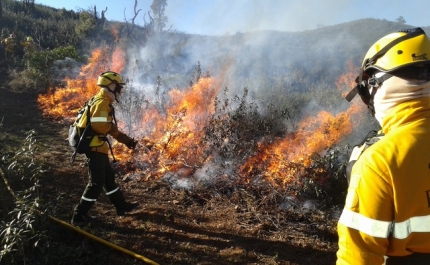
232, 132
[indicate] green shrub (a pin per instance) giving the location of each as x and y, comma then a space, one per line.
36, 75
22, 230
325, 178
86, 25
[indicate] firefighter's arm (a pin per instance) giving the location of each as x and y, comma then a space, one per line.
102, 123
122, 137
365, 223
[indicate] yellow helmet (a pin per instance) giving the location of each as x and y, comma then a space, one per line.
29, 39
405, 54
397, 50
108, 77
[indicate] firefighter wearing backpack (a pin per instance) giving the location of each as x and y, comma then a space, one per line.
29, 45
386, 218
10, 46
101, 174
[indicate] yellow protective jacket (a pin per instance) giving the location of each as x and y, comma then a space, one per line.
387, 208
10, 44
102, 122
29, 47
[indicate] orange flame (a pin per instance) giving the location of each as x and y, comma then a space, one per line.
314, 135
62, 103
179, 133
275, 161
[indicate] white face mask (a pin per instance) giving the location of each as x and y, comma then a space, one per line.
396, 90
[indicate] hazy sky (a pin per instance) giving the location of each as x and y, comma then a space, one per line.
218, 17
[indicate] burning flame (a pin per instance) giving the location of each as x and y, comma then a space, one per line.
179, 133
63, 103
276, 161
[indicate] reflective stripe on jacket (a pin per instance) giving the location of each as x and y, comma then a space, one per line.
387, 209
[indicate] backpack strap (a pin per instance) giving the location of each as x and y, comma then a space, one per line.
371, 138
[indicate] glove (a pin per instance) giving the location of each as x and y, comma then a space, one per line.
131, 144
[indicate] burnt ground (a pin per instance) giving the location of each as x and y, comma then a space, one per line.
216, 225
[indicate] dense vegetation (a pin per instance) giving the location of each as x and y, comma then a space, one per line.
265, 96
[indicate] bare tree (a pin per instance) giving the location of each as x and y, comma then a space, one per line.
101, 22
103, 18
130, 29
1, 8
95, 13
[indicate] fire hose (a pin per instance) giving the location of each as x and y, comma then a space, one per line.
82, 232
102, 241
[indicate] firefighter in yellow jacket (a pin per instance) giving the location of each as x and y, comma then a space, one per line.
9, 46
29, 45
386, 218
101, 174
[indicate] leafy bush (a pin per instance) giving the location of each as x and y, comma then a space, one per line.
86, 25
23, 229
36, 75
326, 176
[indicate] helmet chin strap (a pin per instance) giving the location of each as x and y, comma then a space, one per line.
374, 83
370, 104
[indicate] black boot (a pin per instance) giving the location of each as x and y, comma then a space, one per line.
126, 207
121, 205
80, 216
81, 220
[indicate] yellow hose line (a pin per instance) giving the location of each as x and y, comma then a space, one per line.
102, 241
82, 232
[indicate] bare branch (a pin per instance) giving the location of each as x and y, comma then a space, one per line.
133, 25
103, 18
